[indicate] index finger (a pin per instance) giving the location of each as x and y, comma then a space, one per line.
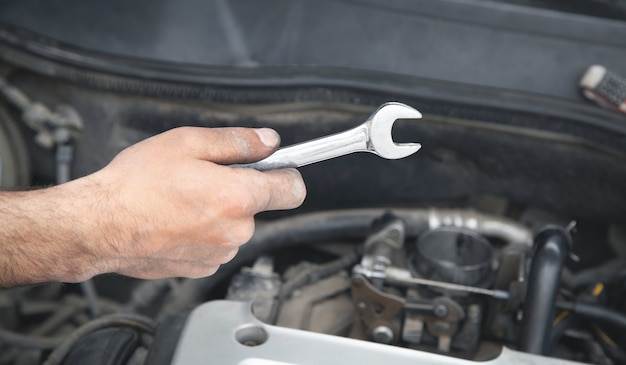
226, 145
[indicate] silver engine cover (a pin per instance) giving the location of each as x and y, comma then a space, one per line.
226, 332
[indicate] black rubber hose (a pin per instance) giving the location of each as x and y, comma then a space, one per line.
44, 343
141, 323
595, 312
163, 347
604, 273
551, 249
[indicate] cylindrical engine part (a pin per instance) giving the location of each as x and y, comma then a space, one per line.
454, 255
551, 249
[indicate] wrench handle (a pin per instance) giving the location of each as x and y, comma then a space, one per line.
316, 150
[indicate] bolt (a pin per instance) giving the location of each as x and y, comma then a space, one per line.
440, 310
382, 334
362, 305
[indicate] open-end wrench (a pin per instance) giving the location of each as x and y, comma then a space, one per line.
372, 136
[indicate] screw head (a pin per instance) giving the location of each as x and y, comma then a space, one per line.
440, 310
382, 334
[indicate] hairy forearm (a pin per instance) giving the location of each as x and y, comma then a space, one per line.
167, 206
43, 236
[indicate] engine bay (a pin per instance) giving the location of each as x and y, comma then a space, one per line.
469, 251
438, 284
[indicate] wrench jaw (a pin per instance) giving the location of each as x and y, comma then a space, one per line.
380, 125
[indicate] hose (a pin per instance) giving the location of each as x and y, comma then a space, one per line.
551, 250
602, 273
141, 323
598, 313
339, 225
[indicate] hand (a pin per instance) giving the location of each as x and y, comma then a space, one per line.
171, 206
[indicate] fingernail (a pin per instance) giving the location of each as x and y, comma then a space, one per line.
268, 136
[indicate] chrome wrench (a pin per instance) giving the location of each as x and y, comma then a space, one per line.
372, 136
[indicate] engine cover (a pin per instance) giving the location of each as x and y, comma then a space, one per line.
228, 331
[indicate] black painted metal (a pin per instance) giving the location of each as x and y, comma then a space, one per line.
489, 44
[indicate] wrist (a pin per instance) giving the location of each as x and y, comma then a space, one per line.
45, 235
83, 217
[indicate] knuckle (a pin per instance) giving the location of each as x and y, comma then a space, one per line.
239, 141
241, 204
247, 201
185, 137
244, 231
178, 132
261, 196
228, 256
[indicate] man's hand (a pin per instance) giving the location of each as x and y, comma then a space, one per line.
167, 206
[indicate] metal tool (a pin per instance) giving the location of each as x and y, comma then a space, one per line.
372, 136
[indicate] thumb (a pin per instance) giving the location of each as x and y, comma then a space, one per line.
230, 145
